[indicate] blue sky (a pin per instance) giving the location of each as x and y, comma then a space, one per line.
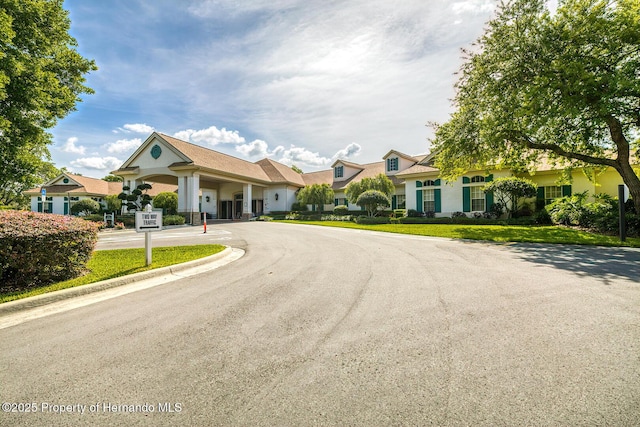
303, 82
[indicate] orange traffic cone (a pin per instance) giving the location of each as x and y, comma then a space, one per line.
205, 223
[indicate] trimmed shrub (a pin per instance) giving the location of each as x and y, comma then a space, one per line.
37, 249
341, 210
85, 207
399, 213
172, 220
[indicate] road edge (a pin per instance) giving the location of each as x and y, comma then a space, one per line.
55, 296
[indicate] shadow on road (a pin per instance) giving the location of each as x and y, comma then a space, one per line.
598, 262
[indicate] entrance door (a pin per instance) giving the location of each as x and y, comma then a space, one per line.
238, 198
226, 209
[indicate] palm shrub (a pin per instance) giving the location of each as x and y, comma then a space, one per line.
38, 249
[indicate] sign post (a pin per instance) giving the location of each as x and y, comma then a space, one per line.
148, 221
622, 219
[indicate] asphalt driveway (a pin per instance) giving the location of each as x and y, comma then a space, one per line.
324, 326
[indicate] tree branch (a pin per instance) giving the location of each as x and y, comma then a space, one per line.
531, 144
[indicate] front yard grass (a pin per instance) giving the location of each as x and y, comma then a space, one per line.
493, 233
109, 264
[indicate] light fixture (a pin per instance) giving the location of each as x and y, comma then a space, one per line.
208, 199
277, 196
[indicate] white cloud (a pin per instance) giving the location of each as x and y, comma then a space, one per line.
71, 147
256, 148
97, 163
124, 145
472, 6
211, 136
349, 151
139, 128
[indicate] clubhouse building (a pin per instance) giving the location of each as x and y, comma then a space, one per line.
226, 187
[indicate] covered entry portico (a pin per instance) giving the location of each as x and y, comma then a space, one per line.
209, 182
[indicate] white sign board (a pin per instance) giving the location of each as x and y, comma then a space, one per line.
148, 221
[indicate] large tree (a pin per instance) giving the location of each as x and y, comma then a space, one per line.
41, 80
316, 195
558, 85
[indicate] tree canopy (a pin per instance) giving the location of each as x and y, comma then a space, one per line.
561, 86
316, 195
41, 80
380, 182
372, 201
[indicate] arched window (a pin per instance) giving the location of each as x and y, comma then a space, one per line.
477, 178
429, 183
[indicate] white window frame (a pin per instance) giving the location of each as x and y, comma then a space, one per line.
478, 203
429, 200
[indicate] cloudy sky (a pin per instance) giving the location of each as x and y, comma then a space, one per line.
303, 82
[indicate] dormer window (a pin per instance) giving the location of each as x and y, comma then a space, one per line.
338, 172
392, 164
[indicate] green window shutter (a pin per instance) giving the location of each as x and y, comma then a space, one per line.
437, 182
419, 205
488, 201
418, 184
489, 178
66, 208
39, 206
335, 202
466, 199
540, 195
437, 195
394, 202
466, 180
566, 190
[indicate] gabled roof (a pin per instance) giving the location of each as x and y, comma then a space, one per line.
78, 184
279, 173
399, 154
369, 170
214, 160
346, 163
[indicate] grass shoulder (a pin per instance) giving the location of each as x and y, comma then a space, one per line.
493, 233
109, 264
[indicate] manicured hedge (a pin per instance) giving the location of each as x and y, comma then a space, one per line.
38, 249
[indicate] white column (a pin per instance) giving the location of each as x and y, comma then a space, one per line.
194, 193
246, 201
182, 194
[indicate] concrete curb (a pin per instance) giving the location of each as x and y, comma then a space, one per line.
51, 297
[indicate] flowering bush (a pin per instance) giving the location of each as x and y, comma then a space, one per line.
37, 249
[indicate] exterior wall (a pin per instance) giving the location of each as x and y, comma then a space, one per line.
348, 172
402, 164
210, 207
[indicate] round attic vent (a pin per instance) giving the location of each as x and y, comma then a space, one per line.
156, 151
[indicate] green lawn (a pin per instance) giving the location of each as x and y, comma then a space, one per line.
121, 262
493, 233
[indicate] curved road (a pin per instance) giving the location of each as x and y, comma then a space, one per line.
324, 326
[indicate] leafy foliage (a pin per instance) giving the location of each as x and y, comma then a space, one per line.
373, 201
509, 190
560, 86
381, 183
137, 198
113, 203
37, 248
85, 207
316, 195
168, 201
41, 80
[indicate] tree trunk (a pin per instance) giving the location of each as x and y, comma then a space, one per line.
632, 181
